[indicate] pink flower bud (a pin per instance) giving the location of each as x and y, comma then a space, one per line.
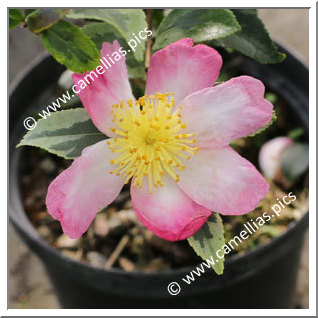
270, 156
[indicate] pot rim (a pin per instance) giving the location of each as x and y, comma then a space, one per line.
15, 202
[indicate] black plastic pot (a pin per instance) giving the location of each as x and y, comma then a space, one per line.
261, 278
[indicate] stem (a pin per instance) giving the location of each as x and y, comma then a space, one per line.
113, 257
149, 40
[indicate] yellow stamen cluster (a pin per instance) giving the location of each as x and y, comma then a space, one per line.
150, 140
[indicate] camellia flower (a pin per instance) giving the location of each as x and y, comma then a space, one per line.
270, 156
173, 143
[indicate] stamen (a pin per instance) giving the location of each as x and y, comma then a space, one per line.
150, 142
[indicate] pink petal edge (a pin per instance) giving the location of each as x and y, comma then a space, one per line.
223, 181
182, 68
107, 89
168, 212
76, 195
223, 113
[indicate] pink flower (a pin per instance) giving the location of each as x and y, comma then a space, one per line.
173, 143
270, 156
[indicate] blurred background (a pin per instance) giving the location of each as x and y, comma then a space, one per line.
29, 286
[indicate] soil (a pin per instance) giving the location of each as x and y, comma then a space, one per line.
116, 237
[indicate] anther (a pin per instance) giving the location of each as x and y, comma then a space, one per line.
154, 133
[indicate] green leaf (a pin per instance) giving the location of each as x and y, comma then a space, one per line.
271, 97
104, 32
70, 46
295, 160
274, 118
127, 22
15, 18
157, 17
42, 19
253, 40
28, 11
208, 240
65, 133
296, 133
200, 25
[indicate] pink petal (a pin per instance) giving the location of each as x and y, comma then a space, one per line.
80, 191
222, 181
182, 68
168, 212
270, 155
105, 89
223, 113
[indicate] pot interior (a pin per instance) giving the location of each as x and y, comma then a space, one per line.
143, 251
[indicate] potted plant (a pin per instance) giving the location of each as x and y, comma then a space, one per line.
117, 263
